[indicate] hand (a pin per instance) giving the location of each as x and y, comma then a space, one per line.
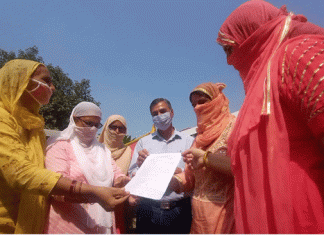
174, 185
142, 155
194, 158
133, 200
177, 170
110, 197
187, 157
121, 181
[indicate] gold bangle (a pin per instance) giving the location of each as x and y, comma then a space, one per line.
180, 182
178, 178
205, 158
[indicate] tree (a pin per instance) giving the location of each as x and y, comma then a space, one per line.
127, 139
82, 91
67, 95
5, 56
30, 53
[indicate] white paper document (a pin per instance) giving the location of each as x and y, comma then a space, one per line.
153, 177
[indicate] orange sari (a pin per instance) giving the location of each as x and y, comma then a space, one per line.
212, 201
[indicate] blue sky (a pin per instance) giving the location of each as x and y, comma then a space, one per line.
135, 51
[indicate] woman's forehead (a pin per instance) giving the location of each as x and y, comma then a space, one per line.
117, 122
91, 117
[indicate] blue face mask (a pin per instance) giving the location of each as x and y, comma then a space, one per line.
162, 121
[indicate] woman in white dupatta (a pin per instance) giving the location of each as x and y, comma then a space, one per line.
77, 154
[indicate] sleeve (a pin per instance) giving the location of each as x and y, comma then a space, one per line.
190, 141
186, 179
133, 166
16, 168
301, 82
57, 159
116, 169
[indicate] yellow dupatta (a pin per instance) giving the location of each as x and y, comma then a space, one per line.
22, 144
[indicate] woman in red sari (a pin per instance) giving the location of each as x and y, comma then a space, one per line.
276, 146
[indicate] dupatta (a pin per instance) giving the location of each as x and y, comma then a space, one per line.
212, 117
93, 158
259, 144
15, 76
114, 142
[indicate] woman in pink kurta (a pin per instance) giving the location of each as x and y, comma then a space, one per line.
77, 154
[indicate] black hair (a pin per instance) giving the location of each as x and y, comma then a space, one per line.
158, 100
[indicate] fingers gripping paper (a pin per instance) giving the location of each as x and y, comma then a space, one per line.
153, 177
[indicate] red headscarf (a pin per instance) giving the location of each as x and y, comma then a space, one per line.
213, 116
256, 30
255, 38
253, 30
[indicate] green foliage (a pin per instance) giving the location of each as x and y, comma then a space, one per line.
6, 56
67, 95
127, 139
30, 53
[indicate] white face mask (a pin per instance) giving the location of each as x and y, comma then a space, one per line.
86, 134
162, 121
42, 93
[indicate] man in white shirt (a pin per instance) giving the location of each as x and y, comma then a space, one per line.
171, 214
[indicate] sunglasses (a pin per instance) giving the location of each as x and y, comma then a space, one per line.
122, 129
91, 124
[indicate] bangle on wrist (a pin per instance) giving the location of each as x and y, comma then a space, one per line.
80, 187
205, 158
72, 187
178, 178
180, 182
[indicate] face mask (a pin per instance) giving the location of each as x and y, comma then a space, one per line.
163, 121
86, 134
116, 137
42, 93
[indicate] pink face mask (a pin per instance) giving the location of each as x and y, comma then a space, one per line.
42, 93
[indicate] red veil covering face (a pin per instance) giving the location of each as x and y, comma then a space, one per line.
259, 144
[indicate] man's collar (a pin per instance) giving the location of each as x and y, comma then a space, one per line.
176, 135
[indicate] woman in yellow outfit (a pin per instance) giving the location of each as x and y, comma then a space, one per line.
24, 182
